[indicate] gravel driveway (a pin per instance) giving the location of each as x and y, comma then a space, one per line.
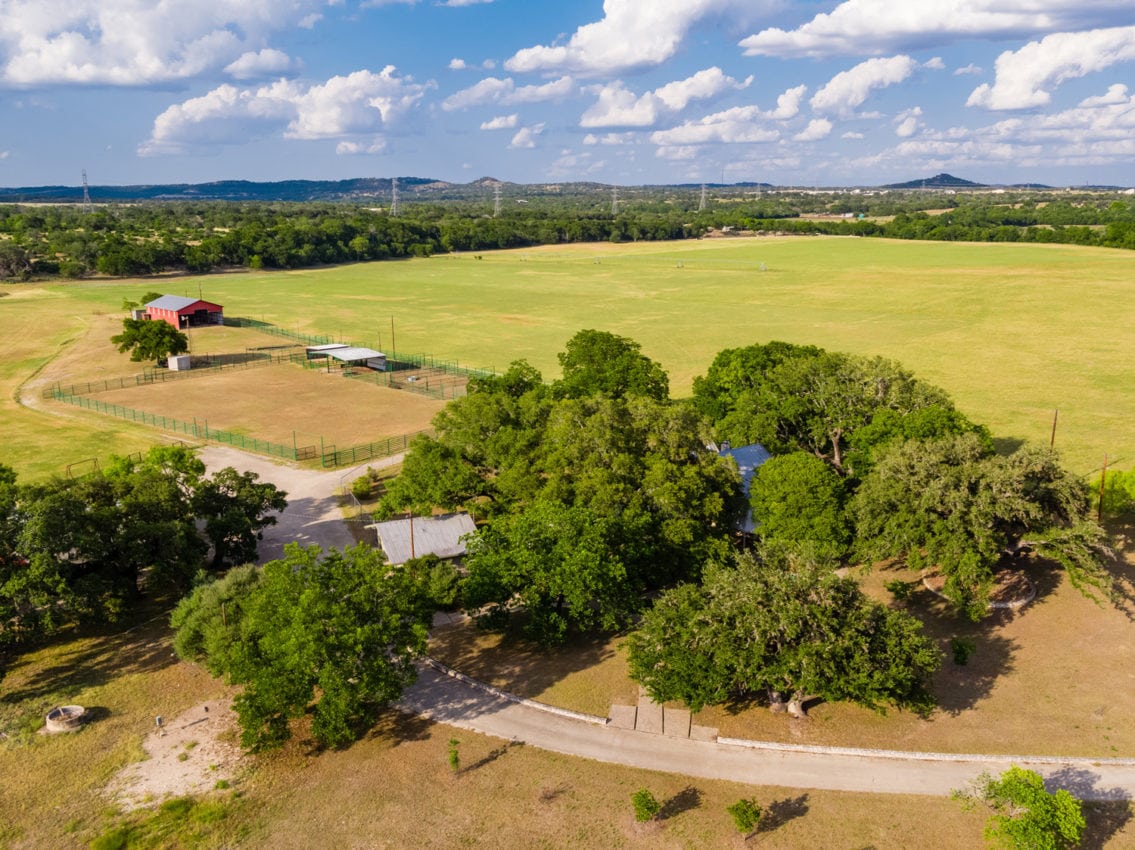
313, 515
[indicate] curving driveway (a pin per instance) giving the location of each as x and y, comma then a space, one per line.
313, 516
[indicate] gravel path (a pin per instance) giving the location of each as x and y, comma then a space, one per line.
313, 514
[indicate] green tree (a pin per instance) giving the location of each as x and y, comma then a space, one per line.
602, 362
798, 500
952, 504
780, 625
1025, 815
236, 508
206, 623
336, 632
147, 339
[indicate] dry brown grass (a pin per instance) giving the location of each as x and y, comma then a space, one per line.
1056, 678
397, 791
587, 674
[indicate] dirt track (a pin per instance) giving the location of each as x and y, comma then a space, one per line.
313, 515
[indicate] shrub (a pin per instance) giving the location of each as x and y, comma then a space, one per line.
646, 807
962, 648
746, 815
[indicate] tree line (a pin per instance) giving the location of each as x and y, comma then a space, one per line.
153, 237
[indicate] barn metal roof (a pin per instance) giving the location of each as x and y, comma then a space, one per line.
176, 302
350, 355
438, 535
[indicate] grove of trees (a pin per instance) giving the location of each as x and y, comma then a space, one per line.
84, 549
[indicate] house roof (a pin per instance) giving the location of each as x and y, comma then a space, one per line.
748, 459
438, 535
350, 355
176, 303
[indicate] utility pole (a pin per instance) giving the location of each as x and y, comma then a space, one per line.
395, 207
87, 206
614, 200
496, 200
701, 201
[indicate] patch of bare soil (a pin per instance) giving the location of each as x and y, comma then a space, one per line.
1011, 588
189, 754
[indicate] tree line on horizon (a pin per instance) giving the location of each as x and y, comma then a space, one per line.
129, 240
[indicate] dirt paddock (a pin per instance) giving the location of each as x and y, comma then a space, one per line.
270, 402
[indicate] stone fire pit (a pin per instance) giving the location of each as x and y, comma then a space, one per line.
65, 718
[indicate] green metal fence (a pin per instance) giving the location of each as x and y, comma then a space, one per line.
328, 455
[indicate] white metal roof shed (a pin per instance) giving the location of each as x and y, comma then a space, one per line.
436, 535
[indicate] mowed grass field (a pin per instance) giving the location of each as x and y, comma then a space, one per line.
1013, 332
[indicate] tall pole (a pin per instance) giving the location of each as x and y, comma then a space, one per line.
412, 555
393, 347
1052, 442
1103, 479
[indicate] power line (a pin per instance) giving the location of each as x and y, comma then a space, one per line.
496, 200
395, 207
87, 205
701, 202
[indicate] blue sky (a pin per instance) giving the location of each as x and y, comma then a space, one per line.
790, 92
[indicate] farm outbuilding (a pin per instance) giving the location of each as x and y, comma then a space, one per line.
404, 539
349, 355
185, 313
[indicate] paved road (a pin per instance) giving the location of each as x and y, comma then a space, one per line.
449, 700
313, 516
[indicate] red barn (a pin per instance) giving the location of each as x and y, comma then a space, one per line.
185, 313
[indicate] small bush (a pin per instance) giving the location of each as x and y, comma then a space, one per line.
746, 815
900, 589
962, 648
362, 487
454, 755
646, 807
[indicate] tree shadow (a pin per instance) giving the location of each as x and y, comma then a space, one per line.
780, 812
1122, 532
687, 799
1106, 810
1007, 445
491, 756
511, 661
400, 727
87, 658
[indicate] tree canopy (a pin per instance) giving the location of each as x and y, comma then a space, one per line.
334, 632
83, 548
590, 501
148, 339
601, 362
953, 504
798, 500
1026, 815
778, 624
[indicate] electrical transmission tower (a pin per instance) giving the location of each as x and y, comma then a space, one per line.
87, 206
614, 200
496, 200
701, 202
395, 207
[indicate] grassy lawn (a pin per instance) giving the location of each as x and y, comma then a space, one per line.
1013, 332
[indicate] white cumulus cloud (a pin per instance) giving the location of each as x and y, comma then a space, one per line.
359, 103
501, 122
268, 62
526, 137
866, 27
739, 124
848, 90
130, 43
908, 122
504, 90
617, 106
1025, 78
818, 128
631, 34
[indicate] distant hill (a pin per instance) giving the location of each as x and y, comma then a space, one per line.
938, 181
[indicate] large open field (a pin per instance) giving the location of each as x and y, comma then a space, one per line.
1013, 332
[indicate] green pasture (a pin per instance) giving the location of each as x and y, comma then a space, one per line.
1013, 332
